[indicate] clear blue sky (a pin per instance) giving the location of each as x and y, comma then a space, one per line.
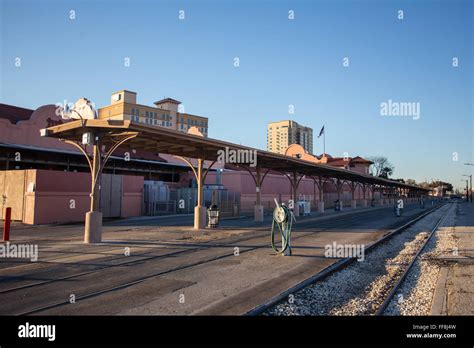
282, 62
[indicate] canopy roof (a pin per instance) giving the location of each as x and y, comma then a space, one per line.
167, 141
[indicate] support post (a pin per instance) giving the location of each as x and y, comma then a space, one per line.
339, 186
321, 195
258, 210
353, 200
93, 223
6, 224
294, 183
199, 209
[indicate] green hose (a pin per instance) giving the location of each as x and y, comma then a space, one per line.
288, 223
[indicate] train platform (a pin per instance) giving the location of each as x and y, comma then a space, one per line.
455, 288
164, 267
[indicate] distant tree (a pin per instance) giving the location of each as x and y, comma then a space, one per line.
410, 182
381, 167
446, 185
400, 180
424, 184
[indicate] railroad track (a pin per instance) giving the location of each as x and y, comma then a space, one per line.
190, 248
397, 285
344, 263
138, 280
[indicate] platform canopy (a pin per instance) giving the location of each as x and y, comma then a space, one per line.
167, 141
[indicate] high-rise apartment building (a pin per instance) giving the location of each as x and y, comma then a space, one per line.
166, 113
282, 134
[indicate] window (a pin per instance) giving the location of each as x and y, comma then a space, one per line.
147, 114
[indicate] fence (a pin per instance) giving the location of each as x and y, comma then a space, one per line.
156, 199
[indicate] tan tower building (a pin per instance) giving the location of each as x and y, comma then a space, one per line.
282, 134
166, 113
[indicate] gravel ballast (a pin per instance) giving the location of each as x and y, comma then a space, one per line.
361, 288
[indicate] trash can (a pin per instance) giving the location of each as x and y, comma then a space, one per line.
213, 214
372, 202
337, 205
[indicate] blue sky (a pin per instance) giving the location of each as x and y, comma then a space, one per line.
282, 62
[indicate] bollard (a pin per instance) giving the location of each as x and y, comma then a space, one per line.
6, 224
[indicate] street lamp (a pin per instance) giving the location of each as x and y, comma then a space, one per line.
467, 189
470, 176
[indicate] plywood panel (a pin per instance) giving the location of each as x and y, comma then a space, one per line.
14, 190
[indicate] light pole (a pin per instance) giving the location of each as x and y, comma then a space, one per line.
467, 189
470, 192
470, 176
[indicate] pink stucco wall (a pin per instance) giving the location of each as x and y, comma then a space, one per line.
64, 197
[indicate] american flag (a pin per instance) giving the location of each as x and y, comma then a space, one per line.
321, 132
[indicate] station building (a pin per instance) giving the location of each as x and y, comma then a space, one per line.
46, 180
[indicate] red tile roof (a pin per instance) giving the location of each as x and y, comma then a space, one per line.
14, 113
359, 159
339, 161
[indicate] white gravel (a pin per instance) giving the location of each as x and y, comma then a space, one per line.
360, 288
415, 295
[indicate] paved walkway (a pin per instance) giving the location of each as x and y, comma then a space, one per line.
460, 275
174, 269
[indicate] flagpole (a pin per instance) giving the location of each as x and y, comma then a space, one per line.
324, 142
